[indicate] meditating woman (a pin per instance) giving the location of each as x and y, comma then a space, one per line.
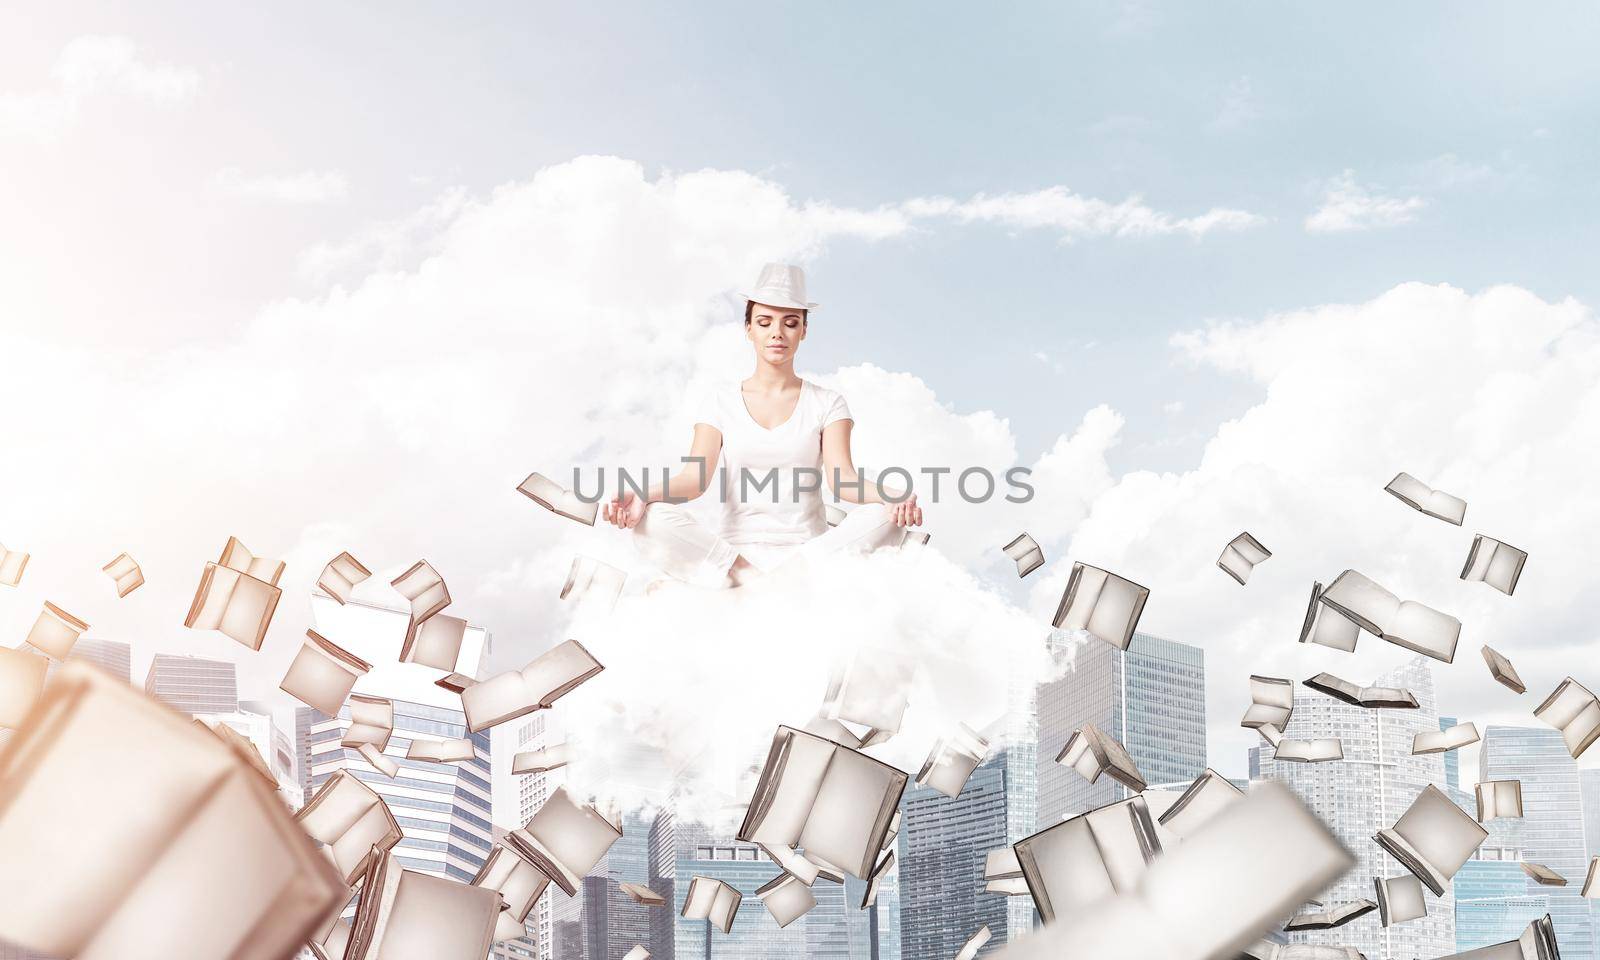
781, 438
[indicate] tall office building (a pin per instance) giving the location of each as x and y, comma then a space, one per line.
1452, 758
532, 789
109, 655
255, 721
444, 809
1552, 822
1365, 792
1493, 898
194, 685
1589, 786
755, 935
1151, 697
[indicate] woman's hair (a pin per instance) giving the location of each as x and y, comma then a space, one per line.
749, 310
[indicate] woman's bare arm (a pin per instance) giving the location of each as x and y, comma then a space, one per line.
848, 485
627, 508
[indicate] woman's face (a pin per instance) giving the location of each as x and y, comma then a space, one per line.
776, 332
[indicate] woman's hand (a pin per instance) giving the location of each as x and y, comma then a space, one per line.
906, 513
625, 510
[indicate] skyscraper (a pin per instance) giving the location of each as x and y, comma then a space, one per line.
1493, 898
755, 935
1367, 791
1151, 697
194, 685
109, 655
1452, 758
1552, 821
1589, 786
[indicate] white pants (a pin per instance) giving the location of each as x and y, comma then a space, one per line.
686, 549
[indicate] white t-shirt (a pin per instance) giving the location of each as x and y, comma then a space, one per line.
771, 482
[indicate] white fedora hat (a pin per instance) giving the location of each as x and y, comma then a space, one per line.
780, 285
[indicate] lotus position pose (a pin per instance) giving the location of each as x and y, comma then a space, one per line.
781, 438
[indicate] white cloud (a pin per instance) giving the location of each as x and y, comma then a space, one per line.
1348, 206
306, 187
1075, 216
90, 67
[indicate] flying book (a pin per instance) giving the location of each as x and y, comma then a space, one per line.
1096, 854
12, 563
642, 895
442, 751
870, 895
1409, 624
833, 514
1373, 698
1103, 604
381, 763
637, 953
517, 693
1538, 942
834, 802
1271, 703
1240, 557
204, 860
340, 576
540, 761
593, 585
422, 585
236, 557
1501, 669
969, 950
894, 831
407, 915
332, 940
558, 499
1091, 752
711, 900
792, 863
786, 898
1002, 873
1399, 899
22, 677
55, 632
1543, 875
870, 690
564, 839
1433, 838
1336, 916
1026, 552
235, 604
322, 674
455, 682
371, 721
518, 882
352, 820
1435, 503
125, 573
1442, 741
1207, 796
1495, 563
434, 642
243, 748
1591, 881
1498, 798
1320, 750
952, 760
1326, 626
1573, 710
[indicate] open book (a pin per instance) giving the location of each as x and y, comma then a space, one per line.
786, 898
712, 900
1591, 880
565, 839
1573, 710
202, 860
340, 576
1271, 703
1538, 942
455, 682
1002, 873
434, 642
1326, 626
517, 693
55, 632
1373, 698
12, 563
1409, 624
969, 949
1241, 555
1543, 875
870, 895
558, 499
1207, 796
371, 721
1495, 563
870, 689
1308, 751
593, 585
834, 802
322, 674
22, 676
518, 882
125, 573
441, 751
1091, 752
541, 761
1441, 741
1435, 503
952, 760
234, 603
1399, 899
1501, 669
407, 915
642, 895
1336, 916
352, 820
1101, 603
1433, 838
1026, 552
1096, 854
1498, 798
422, 585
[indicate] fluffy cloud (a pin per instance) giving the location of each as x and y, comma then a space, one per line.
306, 187
1075, 216
88, 67
1347, 206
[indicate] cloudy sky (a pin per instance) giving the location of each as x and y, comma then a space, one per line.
334, 278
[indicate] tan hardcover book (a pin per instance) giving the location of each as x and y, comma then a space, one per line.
352, 820
422, 585
1271, 703
1543, 875
519, 883
12, 563
1026, 552
516, 693
712, 900
322, 674
236, 557
642, 895
234, 604
340, 576
1373, 698
558, 499
1091, 752
1421, 497
1498, 798
458, 750
564, 839
1101, 603
55, 632
379, 761
952, 760
1207, 796
1399, 899
593, 585
1496, 563
1404, 623
885, 864
125, 573
1326, 626
1573, 710
974, 943
1501, 669
371, 721
786, 899
406, 915
1096, 854
1335, 916
1433, 838
1240, 557
434, 642
1441, 741
1319, 750
541, 761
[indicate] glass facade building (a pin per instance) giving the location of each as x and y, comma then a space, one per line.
1494, 900
194, 685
